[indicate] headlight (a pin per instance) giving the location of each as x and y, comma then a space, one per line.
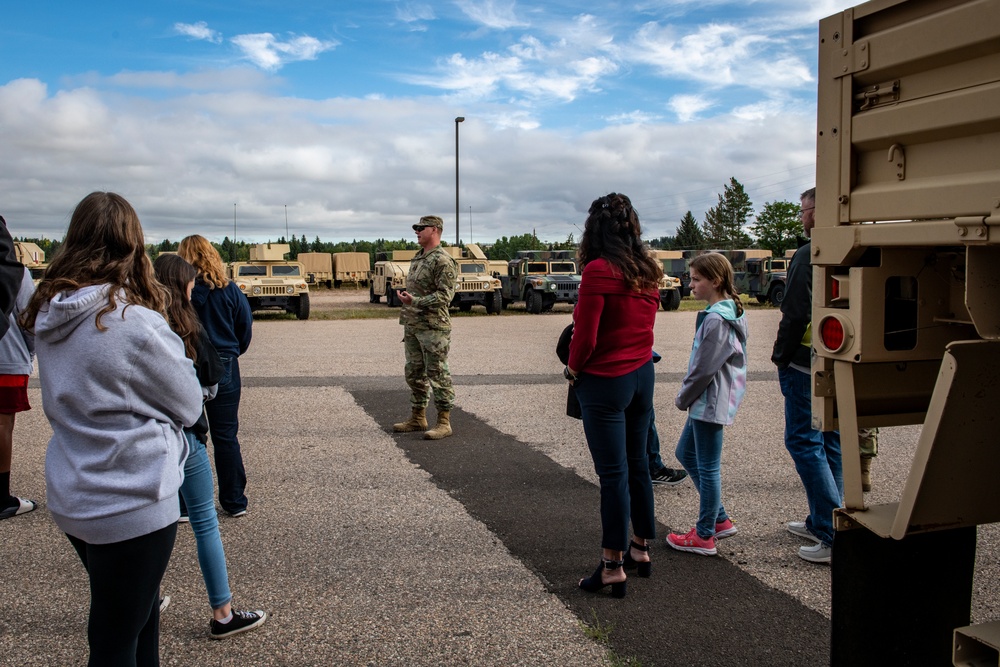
289, 290
256, 289
553, 286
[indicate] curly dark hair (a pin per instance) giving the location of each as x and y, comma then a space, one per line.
612, 232
104, 245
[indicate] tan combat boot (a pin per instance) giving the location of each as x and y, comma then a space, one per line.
416, 422
442, 429
866, 473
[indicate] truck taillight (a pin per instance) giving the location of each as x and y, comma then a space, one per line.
840, 288
834, 333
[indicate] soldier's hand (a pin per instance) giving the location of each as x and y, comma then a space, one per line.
405, 297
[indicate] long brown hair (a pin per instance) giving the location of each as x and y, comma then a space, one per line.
714, 266
104, 245
176, 274
204, 257
612, 232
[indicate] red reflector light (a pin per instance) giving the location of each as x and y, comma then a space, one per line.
835, 289
831, 332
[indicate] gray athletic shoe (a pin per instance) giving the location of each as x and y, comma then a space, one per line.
817, 553
798, 528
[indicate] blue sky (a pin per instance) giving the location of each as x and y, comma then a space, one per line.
342, 114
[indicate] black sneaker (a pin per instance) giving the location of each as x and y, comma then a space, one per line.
242, 621
669, 476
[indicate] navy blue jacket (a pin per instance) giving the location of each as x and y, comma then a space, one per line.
225, 316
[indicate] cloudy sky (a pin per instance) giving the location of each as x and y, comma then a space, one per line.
339, 117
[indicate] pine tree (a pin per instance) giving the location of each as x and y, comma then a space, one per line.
724, 222
689, 236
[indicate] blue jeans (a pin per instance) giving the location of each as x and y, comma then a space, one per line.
616, 416
199, 496
699, 450
653, 446
224, 425
816, 454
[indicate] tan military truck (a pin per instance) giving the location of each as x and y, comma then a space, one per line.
317, 267
388, 277
905, 318
670, 285
475, 283
270, 282
32, 257
351, 267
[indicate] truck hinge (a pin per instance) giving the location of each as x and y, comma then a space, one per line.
877, 95
972, 228
854, 58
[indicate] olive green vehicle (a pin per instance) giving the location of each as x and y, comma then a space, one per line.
476, 285
32, 257
270, 282
541, 279
388, 277
905, 319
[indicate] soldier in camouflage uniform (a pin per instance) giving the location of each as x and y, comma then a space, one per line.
430, 287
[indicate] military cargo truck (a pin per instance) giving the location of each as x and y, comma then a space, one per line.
388, 277
32, 257
318, 267
905, 322
670, 284
541, 279
351, 267
270, 282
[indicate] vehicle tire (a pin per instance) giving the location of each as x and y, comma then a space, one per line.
675, 300
665, 301
391, 299
504, 303
338, 283
254, 303
303, 310
547, 305
493, 303
372, 297
533, 302
465, 306
777, 295
761, 298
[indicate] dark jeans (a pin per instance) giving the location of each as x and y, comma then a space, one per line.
653, 447
124, 625
224, 424
616, 416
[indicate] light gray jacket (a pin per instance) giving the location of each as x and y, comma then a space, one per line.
17, 347
117, 401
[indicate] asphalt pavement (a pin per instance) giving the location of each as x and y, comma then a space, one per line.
373, 548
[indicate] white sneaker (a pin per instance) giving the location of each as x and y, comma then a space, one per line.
817, 553
798, 528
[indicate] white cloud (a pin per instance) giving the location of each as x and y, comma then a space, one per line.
412, 11
270, 54
199, 30
492, 14
687, 107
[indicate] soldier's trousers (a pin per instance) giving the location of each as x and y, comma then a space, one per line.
427, 367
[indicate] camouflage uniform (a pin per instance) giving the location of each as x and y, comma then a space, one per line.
427, 328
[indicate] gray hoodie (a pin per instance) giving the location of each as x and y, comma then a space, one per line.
117, 401
17, 347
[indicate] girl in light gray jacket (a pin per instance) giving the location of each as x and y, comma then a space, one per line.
117, 390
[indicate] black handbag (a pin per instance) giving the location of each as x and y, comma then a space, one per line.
562, 351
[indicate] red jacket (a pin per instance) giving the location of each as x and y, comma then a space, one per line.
613, 325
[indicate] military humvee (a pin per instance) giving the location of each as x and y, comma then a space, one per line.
389, 276
541, 278
270, 282
32, 257
905, 322
670, 284
475, 283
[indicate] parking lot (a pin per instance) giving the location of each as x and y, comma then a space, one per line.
371, 548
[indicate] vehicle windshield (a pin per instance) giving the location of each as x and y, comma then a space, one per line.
284, 270
249, 270
473, 268
563, 267
537, 268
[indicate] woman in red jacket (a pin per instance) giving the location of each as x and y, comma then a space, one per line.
611, 368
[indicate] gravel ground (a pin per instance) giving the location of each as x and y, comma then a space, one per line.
359, 557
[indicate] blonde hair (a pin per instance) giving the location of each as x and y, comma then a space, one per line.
714, 266
203, 256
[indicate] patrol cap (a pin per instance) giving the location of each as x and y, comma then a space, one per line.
429, 221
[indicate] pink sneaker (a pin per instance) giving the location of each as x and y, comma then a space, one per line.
725, 529
691, 542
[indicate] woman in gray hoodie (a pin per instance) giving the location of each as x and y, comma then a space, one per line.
118, 391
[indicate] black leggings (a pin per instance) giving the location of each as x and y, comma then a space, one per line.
124, 625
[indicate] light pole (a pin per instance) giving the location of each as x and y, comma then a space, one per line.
458, 120
470, 224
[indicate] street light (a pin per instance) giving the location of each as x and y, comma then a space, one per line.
458, 120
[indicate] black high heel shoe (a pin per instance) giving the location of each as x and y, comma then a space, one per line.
593, 583
644, 568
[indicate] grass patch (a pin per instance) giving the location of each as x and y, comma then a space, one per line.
601, 633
